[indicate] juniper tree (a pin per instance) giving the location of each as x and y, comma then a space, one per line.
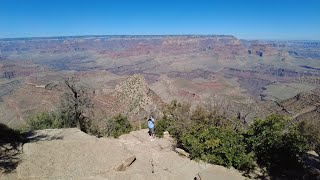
76, 105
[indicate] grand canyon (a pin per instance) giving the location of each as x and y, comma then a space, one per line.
159, 89
251, 78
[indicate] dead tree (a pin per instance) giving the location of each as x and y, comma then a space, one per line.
76, 104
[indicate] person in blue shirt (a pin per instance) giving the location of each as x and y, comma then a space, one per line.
151, 127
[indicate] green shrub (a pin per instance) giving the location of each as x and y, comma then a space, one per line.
311, 130
44, 120
274, 142
96, 128
277, 143
117, 126
203, 117
200, 116
75, 106
162, 125
58, 119
218, 146
178, 112
206, 135
179, 116
144, 126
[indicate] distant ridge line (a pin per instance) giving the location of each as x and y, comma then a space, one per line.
116, 36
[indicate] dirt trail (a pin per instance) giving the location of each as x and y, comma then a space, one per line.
157, 160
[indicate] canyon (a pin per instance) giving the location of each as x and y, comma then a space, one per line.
251, 76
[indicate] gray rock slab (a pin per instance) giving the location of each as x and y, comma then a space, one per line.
72, 159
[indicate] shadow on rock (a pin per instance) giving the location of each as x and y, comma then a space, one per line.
33, 136
9, 158
10, 148
312, 166
11, 142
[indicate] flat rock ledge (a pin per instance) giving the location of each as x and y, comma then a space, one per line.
71, 154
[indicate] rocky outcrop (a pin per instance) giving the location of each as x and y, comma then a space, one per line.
133, 93
72, 154
133, 97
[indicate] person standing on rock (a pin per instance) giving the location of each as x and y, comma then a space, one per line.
151, 127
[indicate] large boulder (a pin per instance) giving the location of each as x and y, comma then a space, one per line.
72, 155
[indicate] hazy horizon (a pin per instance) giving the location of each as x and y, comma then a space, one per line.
105, 35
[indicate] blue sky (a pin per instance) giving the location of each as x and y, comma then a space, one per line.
247, 19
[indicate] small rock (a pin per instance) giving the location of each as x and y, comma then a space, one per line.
7, 146
313, 153
126, 163
182, 152
19, 148
166, 134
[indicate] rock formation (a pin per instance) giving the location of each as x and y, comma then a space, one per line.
132, 97
72, 154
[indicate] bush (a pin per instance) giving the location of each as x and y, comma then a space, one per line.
274, 142
75, 106
179, 116
311, 130
117, 126
205, 118
218, 146
277, 143
144, 126
44, 120
162, 125
179, 113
